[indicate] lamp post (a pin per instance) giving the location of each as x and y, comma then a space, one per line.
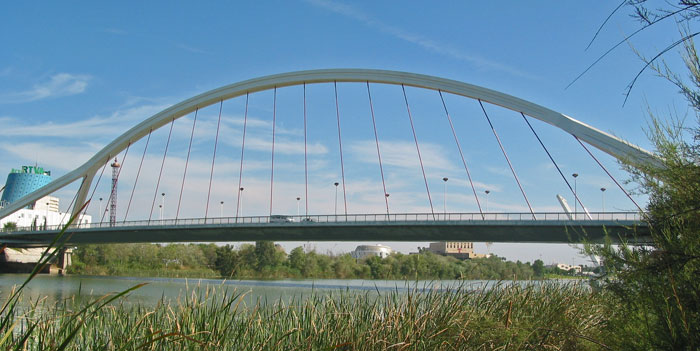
387, 206
487, 199
160, 212
162, 203
241, 201
100, 210
298, 198
46, 219
602, 196
221, 214
336, 197
575, 175
444, 196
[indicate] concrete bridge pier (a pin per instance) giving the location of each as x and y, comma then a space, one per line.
64, 260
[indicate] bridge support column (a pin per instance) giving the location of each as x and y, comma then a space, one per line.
64, 260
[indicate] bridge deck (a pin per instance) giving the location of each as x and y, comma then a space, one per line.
556, 228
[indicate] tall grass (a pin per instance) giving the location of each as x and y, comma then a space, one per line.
542, 316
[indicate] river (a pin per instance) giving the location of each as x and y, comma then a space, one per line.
57, 288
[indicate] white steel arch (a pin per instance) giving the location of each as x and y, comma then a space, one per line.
601, 140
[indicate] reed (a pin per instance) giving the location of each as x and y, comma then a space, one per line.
506, 316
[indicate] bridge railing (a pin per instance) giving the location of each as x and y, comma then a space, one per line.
447, 218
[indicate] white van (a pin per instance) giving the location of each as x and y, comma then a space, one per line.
281, 219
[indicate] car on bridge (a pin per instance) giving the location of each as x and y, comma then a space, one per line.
281, 219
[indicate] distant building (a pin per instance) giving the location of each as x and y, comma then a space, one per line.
23, 181
567, 267
459, 249
41, 213
364, 251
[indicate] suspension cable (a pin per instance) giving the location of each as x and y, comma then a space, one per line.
240, 169
555, 163
213, 157
420, 159
379, 155
167, 143
609, 175
461, 154
187, 161
340, 145
306, 167
272, 162
507, 159
119, 172
137, 174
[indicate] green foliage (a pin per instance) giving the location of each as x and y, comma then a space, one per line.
266, 257
538, 268
10, 226
658, 283
174, 260
264, 260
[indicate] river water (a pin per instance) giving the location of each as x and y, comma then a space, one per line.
57, 288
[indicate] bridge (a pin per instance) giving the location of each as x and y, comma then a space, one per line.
493, 227
384, 224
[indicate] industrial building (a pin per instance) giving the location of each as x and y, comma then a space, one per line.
461, 250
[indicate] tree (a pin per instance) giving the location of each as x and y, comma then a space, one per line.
658, 282
209, 252
10, 226
227, 261
538, 268
297, 259
266, 255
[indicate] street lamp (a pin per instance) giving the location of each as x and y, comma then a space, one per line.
100, 210
575, 175
241, 201
387, 205
222, 209
46, 219
602, 195
487, 199
298, 198
162, 202
160, 211
336, 197
444, 196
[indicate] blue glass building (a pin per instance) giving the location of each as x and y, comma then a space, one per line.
21, 182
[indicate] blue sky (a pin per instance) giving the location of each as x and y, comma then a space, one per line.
73, 76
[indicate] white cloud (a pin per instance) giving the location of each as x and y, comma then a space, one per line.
52, 156
62, 84
426, 43
401, 154
118, 122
